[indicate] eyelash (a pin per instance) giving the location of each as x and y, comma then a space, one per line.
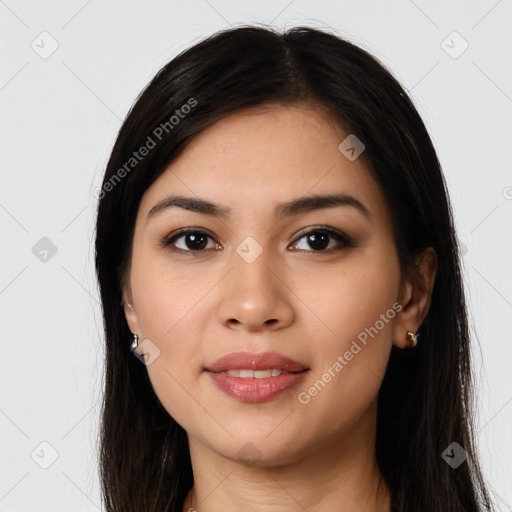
338, 235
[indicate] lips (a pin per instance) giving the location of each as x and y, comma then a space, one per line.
255, 377
255, 361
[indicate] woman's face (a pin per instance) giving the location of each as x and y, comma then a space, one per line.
264, 278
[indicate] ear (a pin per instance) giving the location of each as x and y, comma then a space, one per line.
415, 297
129, 311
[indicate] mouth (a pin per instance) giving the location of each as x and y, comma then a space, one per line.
245, 362
253, 389
256, 374
255, 377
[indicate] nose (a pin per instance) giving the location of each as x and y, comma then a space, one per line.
255, 296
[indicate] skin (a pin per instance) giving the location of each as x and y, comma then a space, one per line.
195, 308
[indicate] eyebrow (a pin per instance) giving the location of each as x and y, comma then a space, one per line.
300, 205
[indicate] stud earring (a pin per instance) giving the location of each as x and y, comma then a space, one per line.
412, 339
135, 342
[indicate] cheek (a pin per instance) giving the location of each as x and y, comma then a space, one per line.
357, 313
166, 297
169, 304
165, 308
347, 299
166, 315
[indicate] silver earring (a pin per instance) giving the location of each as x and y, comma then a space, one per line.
412, 339
135, 342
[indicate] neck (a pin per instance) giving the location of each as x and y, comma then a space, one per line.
340, 476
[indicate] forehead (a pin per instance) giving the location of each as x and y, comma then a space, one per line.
267, 155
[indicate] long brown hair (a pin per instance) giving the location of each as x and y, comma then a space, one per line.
425, 401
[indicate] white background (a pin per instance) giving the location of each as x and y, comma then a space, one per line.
59, 118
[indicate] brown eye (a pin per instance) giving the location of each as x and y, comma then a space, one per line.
190, 241
319, 239
195, 241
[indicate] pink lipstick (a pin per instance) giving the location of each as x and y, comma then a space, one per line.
255, 377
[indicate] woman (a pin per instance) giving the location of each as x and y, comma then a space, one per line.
275, 246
